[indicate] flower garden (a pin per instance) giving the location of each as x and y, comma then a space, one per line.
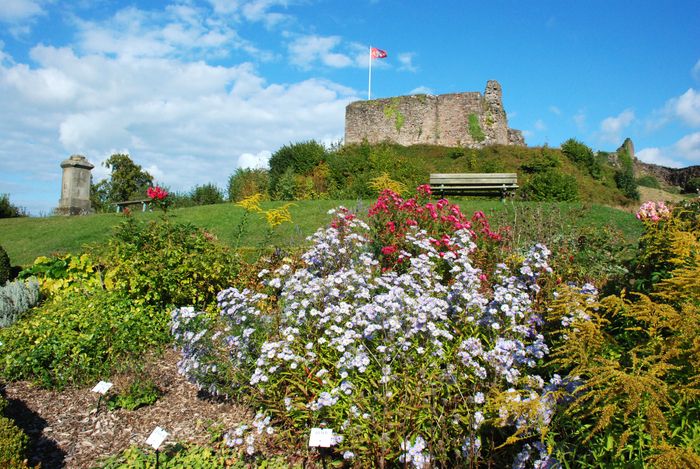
412, 335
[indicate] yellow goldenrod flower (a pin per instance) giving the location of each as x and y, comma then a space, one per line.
384, 182
252, 203
277, 216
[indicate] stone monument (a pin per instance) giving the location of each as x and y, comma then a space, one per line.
75, 189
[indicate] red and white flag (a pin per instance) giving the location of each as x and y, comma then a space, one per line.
377, 53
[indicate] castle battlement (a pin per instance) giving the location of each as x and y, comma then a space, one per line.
458, 119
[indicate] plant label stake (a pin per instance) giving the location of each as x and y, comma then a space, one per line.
157, 437
321, 438
101, 388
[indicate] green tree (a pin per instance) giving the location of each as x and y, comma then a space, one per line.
207, 194
8, 209
582, 155
127, 181
302, 158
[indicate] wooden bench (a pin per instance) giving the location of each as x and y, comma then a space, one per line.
144, 203
474, 183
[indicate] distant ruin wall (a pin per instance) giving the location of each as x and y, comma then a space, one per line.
460, 119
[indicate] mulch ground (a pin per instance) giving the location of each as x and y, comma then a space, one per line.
66, 432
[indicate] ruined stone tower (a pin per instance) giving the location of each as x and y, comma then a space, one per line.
459, 119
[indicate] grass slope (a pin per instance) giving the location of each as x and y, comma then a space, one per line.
27, 238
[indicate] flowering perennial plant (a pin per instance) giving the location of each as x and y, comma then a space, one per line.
653, 212
422, 364
159, 197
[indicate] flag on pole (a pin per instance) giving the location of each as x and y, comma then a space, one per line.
378, 53
374, 53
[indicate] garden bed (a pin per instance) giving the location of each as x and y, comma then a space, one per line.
66, 432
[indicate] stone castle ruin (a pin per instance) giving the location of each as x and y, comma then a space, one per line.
459, 119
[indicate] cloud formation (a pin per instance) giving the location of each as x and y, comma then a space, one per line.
684, 152
611, 127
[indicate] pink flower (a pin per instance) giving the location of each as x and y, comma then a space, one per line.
388, 250
156, 193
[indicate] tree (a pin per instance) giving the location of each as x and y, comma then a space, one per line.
207, 194
127, 181
8, 209
302, 158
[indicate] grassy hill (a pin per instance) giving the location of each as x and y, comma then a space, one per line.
27, 238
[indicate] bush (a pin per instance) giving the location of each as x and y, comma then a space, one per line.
624, 177
13, 441
405, 351
16, 298
301, 158
8, 210
165, 264
693, 185
140, 393
5, 267
648, 181
81, 337
246, 182
547, 160
60, 274
582, 156
207, 194
551, 186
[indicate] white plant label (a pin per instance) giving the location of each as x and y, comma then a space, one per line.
157, 438
322, 437
102, 387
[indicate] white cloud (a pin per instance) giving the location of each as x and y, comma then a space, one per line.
421, 90
685, 152
254, 161
188, 123
685, 108
611, 127
540, 125
258, 10
306, 50
13, 11
555, 110
696, 71
406, 61
580, 120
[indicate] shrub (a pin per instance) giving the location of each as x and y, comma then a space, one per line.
546, 160
246, 182
581, 155
207, 194
13, 441
16, 298
693, 185
286, 186
180, 456
165, 264
140, 393
648, 181
9, 210
300, 157
5, 267
60, 274
551, 186
79, 338
424, 360
624, 177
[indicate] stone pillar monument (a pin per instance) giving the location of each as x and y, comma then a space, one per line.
75, 189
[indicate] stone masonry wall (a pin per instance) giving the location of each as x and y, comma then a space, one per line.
437, 120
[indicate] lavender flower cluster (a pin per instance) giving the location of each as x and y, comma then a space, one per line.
345, 338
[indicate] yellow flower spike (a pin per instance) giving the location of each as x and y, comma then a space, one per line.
277, 216
252, 203
384, 182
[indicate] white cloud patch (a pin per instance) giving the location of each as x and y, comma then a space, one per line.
611, 127
696, 71
188, 123
580, 120
13, 11
307, 50
406, 61
254, 161
421, 90
540, 125
685, 152
555, 110
687, 107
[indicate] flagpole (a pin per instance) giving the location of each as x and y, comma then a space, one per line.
369, 85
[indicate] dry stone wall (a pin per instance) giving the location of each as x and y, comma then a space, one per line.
459, 119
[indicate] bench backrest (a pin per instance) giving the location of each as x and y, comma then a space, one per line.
473, 178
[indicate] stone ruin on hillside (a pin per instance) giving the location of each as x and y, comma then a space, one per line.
459, 119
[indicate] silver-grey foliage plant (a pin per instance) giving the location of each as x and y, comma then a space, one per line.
16, 298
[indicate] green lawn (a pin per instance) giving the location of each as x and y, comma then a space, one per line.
24, 239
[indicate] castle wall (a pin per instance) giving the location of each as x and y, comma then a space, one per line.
437, 120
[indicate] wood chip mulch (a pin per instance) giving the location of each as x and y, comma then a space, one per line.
66, 432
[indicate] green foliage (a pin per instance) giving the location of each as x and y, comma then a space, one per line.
207, 194
16, 298
141, 392
127, 181
648, 181
179, 456
581, 155
624, 176
546, 160
9, 210
300, 157
59, 274
13, 441
81, 337
246, 182
693, 185
286, 186
5, 267
475, 128
391, 111
165, 264
551, 185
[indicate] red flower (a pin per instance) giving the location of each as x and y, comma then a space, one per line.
388, 250
156, 193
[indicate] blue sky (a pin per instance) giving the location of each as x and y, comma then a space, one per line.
194, 89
